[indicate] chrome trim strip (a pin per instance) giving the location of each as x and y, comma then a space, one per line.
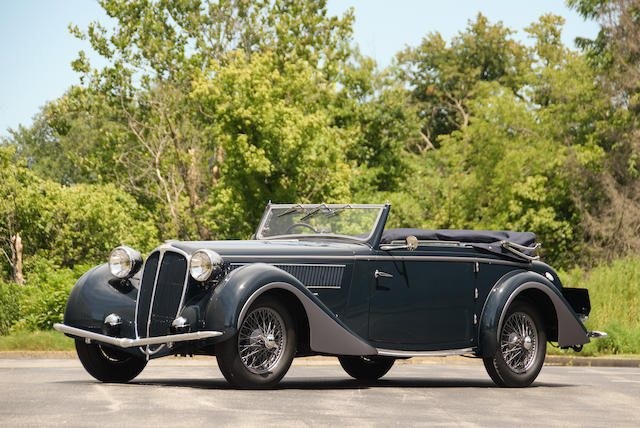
432, 242
153, 293
293, 264
392, 258
135, 315
125, 342
443, 353
444, 259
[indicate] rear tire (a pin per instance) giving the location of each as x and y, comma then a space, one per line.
522, 347
260, 353
108, 364
366, 368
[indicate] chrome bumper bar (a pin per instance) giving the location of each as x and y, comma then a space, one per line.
125, 342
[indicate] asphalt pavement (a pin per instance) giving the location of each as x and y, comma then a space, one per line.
192, 392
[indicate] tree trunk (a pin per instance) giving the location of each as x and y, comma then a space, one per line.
16, 263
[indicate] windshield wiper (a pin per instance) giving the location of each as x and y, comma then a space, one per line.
339, 210
329, 212
293, 209
313, 212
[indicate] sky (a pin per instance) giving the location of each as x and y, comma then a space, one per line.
36, 48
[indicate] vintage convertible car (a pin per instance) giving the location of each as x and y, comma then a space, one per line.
327, 280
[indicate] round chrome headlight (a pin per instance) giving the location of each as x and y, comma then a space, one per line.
124, 262
205, 264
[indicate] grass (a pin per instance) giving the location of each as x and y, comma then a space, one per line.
36, 341
614, 290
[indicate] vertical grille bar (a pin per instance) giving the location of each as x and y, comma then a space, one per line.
145, 293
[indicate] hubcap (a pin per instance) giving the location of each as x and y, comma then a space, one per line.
519, 342
261, 340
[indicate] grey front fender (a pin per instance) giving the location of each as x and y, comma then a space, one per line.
97, 294
232, 298
506, 290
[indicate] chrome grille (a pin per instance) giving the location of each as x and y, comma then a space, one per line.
161, 291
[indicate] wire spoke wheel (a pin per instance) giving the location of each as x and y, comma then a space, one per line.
522, 345
261, 340
519, 342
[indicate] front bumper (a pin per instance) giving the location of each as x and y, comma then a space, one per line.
125, 342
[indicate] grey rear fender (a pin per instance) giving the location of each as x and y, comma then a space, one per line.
232, 298
561, 321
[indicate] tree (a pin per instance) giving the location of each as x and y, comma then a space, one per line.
373, 110
66, 225
442, 76
611, 208
164, 143
274, 130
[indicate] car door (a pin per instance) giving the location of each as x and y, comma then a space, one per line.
421, 300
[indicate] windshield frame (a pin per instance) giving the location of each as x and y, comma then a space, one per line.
329, 236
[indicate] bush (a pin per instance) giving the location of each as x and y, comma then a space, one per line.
40, 303
10, 298
614, 290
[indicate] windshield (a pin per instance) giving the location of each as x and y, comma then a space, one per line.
325, 221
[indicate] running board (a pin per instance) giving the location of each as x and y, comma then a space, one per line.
125, 342
409, 354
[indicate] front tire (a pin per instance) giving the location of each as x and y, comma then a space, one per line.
366, 368
522, 347
108, 364
260, 353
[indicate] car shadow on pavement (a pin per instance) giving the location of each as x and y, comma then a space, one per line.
337, 384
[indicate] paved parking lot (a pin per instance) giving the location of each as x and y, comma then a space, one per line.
52, 392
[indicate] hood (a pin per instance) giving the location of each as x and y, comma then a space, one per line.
264, 249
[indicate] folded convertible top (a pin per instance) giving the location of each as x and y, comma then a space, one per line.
489, 240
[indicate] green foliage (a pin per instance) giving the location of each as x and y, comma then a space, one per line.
68, 224
443, 76
44, 297
10, 297
275, 138
372, 109
614, 290
64, 230
41, 302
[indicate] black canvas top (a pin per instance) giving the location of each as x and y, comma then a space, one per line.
489, 240
527, 239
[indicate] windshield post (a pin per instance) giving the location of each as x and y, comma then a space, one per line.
376, 236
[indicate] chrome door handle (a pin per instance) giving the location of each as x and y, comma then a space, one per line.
378, 273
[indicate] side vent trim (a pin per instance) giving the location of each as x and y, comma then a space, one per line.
311, 275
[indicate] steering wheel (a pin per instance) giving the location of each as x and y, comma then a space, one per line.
294, 225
